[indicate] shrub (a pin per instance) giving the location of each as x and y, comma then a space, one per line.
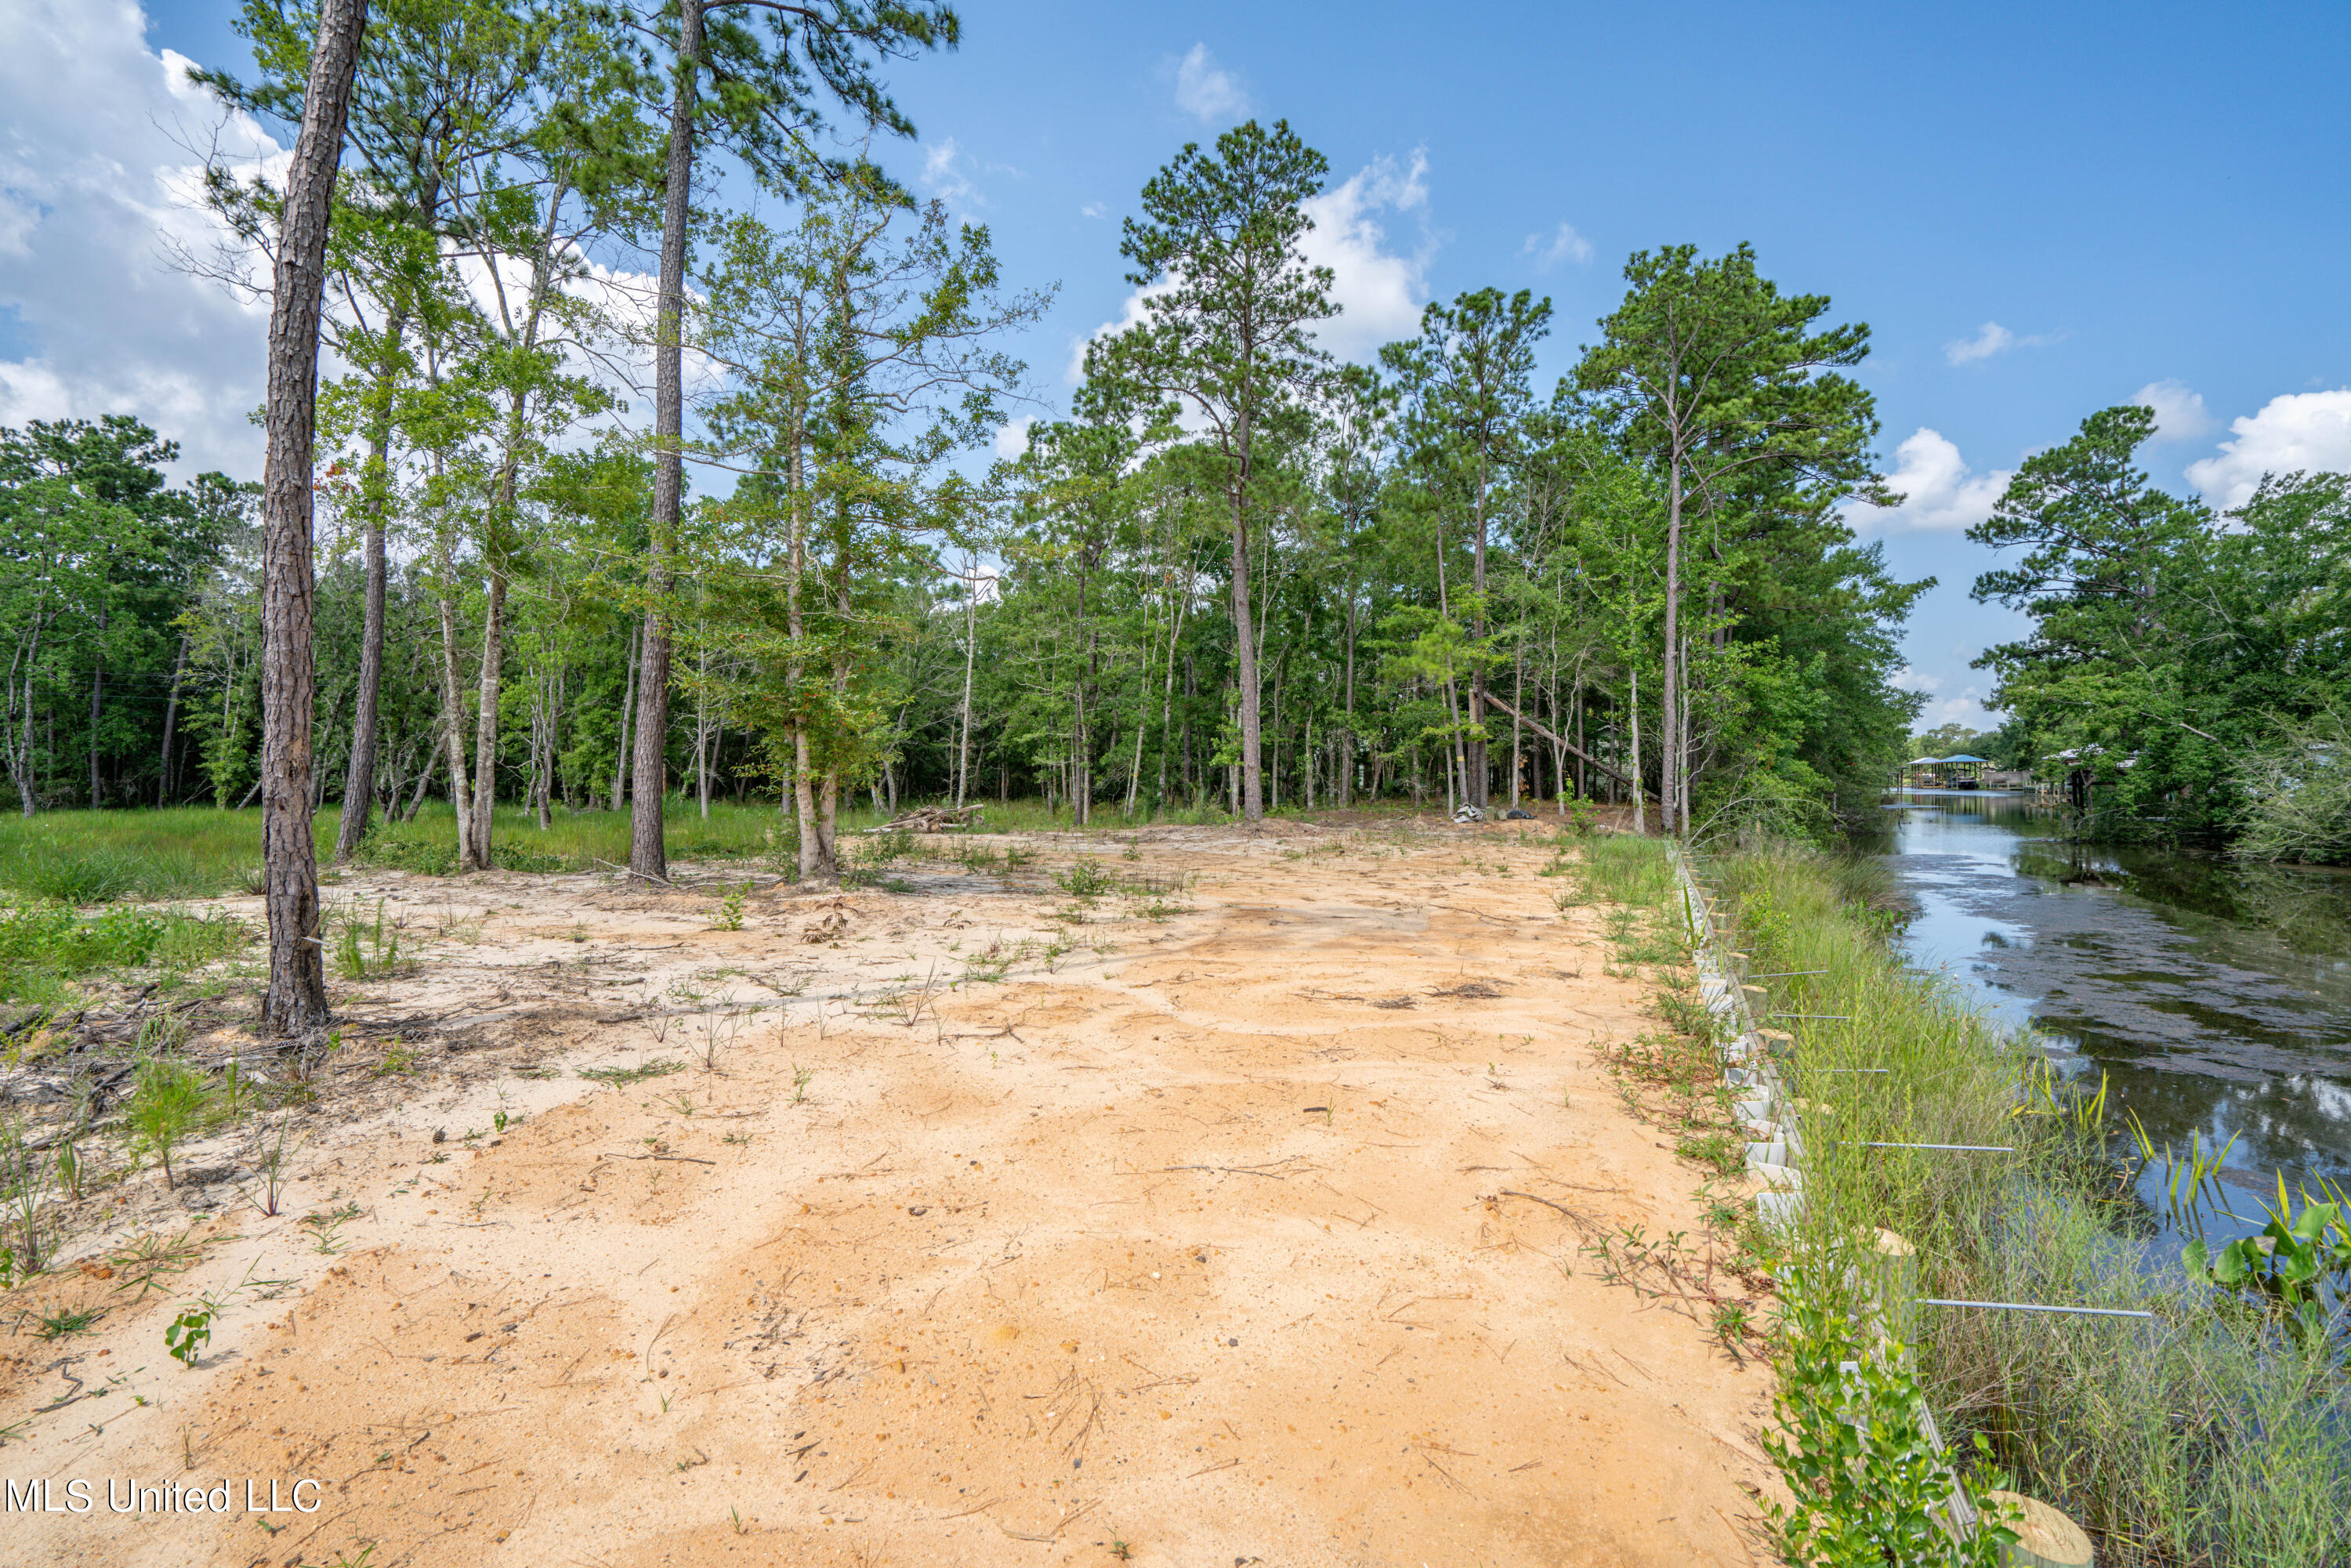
167, 1106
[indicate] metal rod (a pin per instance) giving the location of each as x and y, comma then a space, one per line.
1963, 1148
1841, 1017
2035, 1307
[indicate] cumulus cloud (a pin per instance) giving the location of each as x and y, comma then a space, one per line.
95, 176
2178, 413
1093, 210
1012, 438
1907, 679
1993, 338
1206, 90
1563, 244
1380, 290
1940, 493
2299, 431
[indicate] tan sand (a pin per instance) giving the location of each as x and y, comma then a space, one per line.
1187, 1243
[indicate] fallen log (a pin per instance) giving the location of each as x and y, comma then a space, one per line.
931, 819
1562, 743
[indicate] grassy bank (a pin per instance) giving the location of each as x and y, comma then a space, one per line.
2217, 1434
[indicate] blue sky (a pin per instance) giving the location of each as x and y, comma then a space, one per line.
2038, 210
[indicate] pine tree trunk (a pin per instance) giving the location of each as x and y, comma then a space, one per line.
485, 714
1669, 779
454, 733
648, 852
621, 757
1640, 822
97, 710
359, 781
172, 724
296, 1002
970, 653
1250, 775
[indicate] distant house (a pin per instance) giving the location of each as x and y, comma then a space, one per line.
1919, 773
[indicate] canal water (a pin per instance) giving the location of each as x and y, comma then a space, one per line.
2214, 996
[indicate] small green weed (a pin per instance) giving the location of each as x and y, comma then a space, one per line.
660, 1067
69, 1320
188, 1334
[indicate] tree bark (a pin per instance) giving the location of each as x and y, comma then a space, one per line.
97, 711
1250, 775
485, 711
621, 757
648, 852
1640, 825
359, 781
1670, 783
1475, 773
172, 724
970, 652
296, 1002
454, 733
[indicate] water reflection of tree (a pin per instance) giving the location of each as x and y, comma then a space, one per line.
2310, 910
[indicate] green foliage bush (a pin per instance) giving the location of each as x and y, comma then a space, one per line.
2298, 794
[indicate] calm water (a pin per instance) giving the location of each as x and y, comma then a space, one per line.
2215, 997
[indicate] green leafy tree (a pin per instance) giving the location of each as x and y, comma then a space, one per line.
1466, 381
1229, 302
1711, 373
767, 62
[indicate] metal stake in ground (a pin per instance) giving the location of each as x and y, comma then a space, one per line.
2035, 1307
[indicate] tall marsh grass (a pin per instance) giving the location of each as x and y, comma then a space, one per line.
2210, 1436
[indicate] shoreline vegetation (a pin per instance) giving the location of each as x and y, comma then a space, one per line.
2217, 1432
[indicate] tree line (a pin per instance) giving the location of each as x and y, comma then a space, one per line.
2186, 668
588, 539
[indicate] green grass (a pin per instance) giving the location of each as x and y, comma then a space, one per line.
2208, 1437
193, 851
46, 948
90, 857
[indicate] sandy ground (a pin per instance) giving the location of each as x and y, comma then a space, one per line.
1184, 1239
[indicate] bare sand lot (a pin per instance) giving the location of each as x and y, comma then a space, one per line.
1227, 1210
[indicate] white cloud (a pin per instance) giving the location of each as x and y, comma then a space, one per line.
1966, 709
1939, 494
2178, 413
1012, 438
2298, 431
1206, 90
1563, 245
1907, 679
948, 176
94, 182
1380, 293
1991, 339
1130, 314
1093, 210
